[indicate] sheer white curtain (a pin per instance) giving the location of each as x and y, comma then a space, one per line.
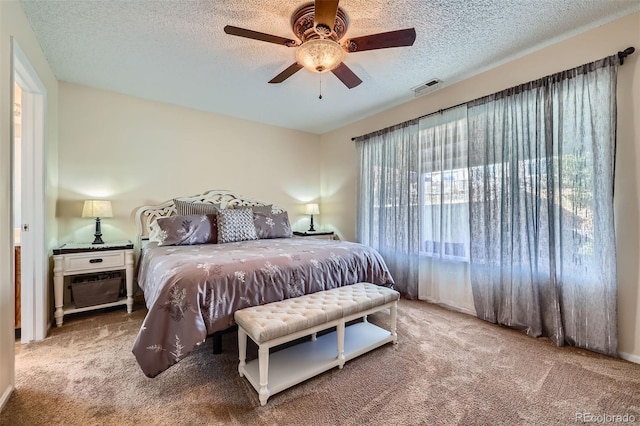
444, 268
542, 232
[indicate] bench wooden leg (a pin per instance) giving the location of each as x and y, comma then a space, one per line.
242, 350
394, 320
340, 337
263, 357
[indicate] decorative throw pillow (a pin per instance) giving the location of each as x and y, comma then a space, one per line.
187, 208
184, 230
262, 210
236, 225
272, 225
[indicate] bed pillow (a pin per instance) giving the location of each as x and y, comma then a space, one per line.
236, 225
184, 230
274, 225
262, 210
186, 208
256, 209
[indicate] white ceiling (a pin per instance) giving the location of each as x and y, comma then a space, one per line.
176, 51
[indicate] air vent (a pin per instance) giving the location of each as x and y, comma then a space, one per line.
427, 87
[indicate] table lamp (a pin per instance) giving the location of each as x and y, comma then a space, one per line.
97, 209
311, 209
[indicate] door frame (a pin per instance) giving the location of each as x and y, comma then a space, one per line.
34, 267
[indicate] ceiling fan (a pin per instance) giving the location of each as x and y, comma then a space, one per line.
320, 26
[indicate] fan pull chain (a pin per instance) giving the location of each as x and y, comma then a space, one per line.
320, 97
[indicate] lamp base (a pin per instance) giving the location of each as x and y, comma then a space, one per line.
311, 228
98, 234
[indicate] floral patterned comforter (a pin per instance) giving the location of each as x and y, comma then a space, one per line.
193, 291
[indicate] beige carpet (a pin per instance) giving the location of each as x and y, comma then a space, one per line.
449, 368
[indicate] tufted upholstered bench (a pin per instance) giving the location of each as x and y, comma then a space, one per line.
276, 323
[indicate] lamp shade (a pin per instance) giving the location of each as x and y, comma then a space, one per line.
97, 208
319, 55
311, 208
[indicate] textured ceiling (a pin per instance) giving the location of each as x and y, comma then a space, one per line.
176, 51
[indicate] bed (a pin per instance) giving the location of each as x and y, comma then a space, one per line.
192, 289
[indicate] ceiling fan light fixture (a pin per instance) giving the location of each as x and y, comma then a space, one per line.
319, 55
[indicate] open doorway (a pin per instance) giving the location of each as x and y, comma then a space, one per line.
17, 200
28, 196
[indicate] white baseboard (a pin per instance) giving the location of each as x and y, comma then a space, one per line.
450, 306
5, 397
630, 357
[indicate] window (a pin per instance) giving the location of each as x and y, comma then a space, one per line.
444, 192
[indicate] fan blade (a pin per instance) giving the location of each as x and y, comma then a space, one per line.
397, 38
241, 32
293, 68
346, 76
325, 15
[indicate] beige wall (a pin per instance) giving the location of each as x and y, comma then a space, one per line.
135, 152
13, 23
339, 161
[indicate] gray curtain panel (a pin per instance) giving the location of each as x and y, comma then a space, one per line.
541, 169
518, 184
388, 216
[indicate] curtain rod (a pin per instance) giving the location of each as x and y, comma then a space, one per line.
621, 55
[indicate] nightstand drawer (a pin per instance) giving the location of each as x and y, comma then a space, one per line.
92, 261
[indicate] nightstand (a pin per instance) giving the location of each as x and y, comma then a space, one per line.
319, 235
79, 259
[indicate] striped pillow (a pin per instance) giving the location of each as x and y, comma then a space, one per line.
184, 208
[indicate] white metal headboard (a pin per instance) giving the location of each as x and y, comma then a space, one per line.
146, 215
